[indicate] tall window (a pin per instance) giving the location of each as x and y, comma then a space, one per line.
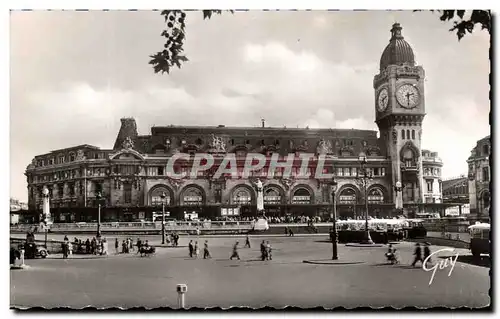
60, 190
486, 174
429, 186
408, 192
486, 149
412, 134
127, 193
160, 170
403, 134
408, 134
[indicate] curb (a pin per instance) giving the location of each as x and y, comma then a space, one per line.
332, 262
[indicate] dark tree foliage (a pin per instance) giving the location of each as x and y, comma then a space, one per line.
175, 21
461, 25
174, 34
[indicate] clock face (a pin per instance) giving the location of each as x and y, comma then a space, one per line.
383, 100
408, 96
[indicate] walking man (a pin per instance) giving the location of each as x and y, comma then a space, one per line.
263, 250
206, 253
191, 248
235, 252
427, 252
418, 255
269, 251
247, 242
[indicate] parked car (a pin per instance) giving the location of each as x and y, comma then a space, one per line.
32, 250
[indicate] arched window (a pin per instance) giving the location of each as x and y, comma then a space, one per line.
72, 157
375, 196
156, 196
403, 134
242, 196
347, 196
192, 197
408, 158
408, 134
301, 196
272, 196
412, 134
484, 201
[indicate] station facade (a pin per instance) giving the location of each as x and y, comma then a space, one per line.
133, 175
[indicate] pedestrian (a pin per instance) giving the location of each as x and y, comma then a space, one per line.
116, 245
269, 251
196, 250
87, 246
124, 247
235, 252
418, 255
206, 253
290, 232
247, 242
138, 245
131, 245
176, 239
191, 248
104, 247
427, 252
263, 250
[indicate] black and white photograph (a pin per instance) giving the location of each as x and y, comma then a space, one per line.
314, 159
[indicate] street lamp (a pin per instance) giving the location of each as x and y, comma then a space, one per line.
398, 188
46, 211
163, 196
334, 209
363, 176
98, 196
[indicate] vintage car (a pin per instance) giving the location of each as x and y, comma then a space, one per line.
480, 242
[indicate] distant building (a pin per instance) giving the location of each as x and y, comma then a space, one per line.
16, 205
479, 179
456, 191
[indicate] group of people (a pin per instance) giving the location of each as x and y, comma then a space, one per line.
265, 249
92, 246
194, 250
393, 258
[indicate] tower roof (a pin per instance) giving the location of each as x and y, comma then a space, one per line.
398, 51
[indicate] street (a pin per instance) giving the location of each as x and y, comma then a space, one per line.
364, 280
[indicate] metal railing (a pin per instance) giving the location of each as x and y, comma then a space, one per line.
169, 226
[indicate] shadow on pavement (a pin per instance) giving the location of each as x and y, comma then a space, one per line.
483, 261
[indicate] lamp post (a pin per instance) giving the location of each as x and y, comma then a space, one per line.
363, 176
98, 197
163, 196
334, 209
398, 188
46, 211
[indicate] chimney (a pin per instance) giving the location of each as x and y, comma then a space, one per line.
263, 122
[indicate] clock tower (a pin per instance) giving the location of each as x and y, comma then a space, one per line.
399, 112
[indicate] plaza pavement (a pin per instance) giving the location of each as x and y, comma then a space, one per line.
131, 281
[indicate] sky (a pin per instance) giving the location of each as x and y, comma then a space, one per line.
75, 74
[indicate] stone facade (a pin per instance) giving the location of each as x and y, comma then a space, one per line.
133, 175
480, 179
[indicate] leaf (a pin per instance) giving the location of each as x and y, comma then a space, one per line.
460, 13
183, 58
207, 14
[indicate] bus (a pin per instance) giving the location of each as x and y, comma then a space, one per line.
480, 242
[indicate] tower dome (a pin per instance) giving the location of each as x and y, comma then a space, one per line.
398, 51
